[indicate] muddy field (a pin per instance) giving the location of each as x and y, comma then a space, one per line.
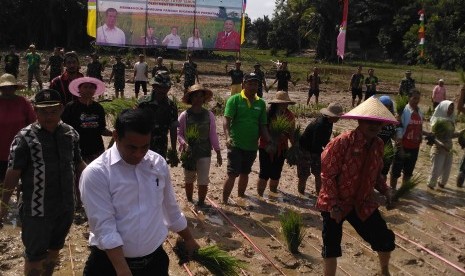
429, 225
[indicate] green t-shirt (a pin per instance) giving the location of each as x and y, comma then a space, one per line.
33, 61
246, 119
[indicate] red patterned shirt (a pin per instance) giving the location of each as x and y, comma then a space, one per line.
350, 171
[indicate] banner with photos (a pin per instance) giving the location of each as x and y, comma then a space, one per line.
176, 24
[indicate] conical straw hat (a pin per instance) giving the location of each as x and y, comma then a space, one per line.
371, 109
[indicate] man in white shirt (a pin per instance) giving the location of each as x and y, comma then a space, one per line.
141, 75
131, 204
172, 40
109, 33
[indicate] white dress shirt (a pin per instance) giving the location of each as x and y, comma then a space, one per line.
195, 43
132, 206
172, 40
110, 35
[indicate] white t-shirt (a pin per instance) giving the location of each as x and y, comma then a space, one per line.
141, 68
195, 43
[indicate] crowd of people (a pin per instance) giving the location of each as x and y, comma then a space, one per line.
54, 147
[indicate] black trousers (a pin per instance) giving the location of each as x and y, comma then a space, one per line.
154, 264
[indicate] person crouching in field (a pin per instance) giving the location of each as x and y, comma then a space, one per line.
351, 167
45, 155
312, 142
271, 162
443, 119
197, 136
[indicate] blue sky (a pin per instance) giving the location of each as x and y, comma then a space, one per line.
259, 8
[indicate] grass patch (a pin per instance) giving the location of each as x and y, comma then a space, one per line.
217, 261
293, 230
302, 110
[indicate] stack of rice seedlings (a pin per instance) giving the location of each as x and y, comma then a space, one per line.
293, 230
442, 128
215, 260
407, 187
400, 102
294, 153
188, 161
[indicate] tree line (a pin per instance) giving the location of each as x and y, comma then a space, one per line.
377, 29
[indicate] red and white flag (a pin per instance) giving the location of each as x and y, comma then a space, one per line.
341, 38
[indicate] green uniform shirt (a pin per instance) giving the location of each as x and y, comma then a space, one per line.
246, 119
33, 61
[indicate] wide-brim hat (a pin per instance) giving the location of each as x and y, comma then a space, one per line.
334, 110
74, 86
373, 110
197, 88
281, 97
10, 80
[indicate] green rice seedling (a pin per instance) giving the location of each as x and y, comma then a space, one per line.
407, 187
279, 126
389, 152
113, 108
187, 158
215, 260
461, 76
400, 102
104, 61
442, 128
336, 133
293, 230
294, 153
177, 78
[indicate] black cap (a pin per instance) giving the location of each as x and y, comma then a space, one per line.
47, 97
251, 77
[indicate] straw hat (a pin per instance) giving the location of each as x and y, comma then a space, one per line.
74, 86
196, 88
10, 80
333, 110
371, 109
281, 97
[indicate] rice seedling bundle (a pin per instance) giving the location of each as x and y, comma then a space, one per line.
217, 261
389, 152
442, 128
407, 186
294, 153
113, 108
400, 102
188, 161
280, 125
293, 230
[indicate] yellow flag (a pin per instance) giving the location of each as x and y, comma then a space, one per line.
92, 18
243, 29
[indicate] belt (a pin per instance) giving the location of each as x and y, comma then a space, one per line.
142, 262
